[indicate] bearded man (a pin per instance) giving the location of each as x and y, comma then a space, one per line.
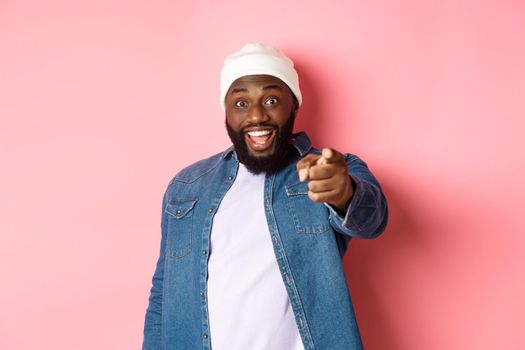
253, 237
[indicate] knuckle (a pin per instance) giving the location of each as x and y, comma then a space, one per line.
313, 196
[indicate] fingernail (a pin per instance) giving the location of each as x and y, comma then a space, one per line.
302, 175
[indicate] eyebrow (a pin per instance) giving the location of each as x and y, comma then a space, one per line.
267, 87
237, 90
271, 87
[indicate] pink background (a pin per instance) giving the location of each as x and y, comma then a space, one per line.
102, 102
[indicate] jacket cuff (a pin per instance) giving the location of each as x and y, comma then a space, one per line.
343, 222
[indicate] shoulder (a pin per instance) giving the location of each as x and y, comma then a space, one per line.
193, 172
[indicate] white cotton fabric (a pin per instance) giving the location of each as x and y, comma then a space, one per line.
248, 304
255, 59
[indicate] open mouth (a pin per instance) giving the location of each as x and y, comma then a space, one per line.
260, 140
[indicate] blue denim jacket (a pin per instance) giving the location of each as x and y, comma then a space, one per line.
309, 241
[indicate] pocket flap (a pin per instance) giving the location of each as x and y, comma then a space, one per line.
297, 189
178, 208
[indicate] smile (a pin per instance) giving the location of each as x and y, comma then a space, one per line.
260, 139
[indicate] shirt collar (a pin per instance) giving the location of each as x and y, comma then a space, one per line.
300, 141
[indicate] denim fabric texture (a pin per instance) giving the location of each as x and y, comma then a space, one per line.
309, 241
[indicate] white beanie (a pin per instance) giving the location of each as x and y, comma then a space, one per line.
254, 59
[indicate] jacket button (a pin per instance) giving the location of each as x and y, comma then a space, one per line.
230, 178
204, 252
205, 336
210, 210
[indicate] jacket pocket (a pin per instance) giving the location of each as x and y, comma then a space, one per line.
308, 216
180, 225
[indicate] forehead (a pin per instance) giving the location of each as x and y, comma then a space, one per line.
258, 81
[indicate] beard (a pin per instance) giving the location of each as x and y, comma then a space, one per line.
265, 164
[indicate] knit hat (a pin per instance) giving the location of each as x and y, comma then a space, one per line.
255, 59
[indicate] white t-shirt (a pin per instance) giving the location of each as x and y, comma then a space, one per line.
247, 301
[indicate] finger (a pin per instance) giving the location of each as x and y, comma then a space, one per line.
304, 164
308, 161
318, 186
329, 155
321, 197
320, 172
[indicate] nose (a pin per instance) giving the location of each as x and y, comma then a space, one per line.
257, 114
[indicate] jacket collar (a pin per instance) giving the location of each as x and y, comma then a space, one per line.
300, 141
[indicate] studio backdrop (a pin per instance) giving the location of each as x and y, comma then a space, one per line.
103, 102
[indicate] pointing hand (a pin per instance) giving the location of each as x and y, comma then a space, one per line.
328, 178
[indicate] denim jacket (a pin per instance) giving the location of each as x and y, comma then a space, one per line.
309, 241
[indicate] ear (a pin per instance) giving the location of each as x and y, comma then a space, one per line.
295, 106
295, 109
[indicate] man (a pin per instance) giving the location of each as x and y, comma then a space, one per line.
253, 237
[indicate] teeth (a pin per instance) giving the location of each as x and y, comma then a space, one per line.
259, 132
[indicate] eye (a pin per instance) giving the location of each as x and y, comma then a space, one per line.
241, 104
271, 101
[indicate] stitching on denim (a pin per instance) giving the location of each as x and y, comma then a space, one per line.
184, 251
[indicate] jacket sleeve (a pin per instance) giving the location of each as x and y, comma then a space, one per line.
153, 321
367, 214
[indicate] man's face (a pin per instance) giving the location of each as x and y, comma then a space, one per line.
260, 112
